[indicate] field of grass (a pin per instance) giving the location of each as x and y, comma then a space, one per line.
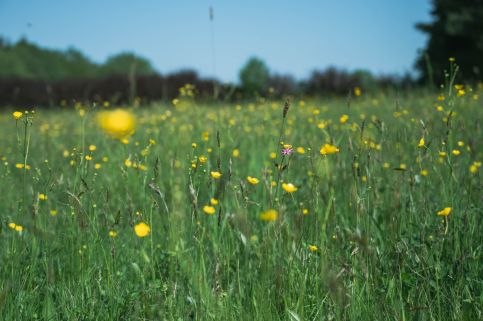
382, 223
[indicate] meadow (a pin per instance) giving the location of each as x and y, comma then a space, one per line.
359, 208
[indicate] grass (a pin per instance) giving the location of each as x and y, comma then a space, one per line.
378, 249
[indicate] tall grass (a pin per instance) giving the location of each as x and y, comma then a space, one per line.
378, 249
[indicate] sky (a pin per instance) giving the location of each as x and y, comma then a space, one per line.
292, 37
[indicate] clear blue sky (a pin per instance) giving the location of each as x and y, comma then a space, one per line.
291, 36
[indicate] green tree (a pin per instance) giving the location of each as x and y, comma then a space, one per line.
254, 76
127, 63
456, 30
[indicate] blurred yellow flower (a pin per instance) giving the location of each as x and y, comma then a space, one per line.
235, 153
445, 212
114, 234
142, 229
328, 149
456, 152
313, 248
17, 115
215, 175
214, 201
357, 91
210, 210
343, 119
118, 123
289, 188
252, 180
269, 215
43, 197
300, 150
421, 143
92, 148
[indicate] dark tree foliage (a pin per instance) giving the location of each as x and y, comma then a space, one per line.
455, 31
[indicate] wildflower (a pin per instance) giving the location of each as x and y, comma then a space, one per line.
273, 155
269, 215
424, 172
442, 154
193, 145
461, 144
12, 225
209, 210
313, 248
97, 166
92, 148
117, 123
235, 153
202, 159
214, 201
215, 175
252, 180
19, 165
53, 212
357, 91
402, 166
114, 234
305, 211
17, 115
128, 163
142, 229
421, 143
300, 150
289, 188
328, 149
18, 228
287, 151
43, 197
343, 119
456, 152
445, 212
88, 157
386, 165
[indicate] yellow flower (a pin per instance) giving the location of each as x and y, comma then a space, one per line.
210, 210
214, 201
313, 248
461, 144
305, 211
421, 143
142, 229
17, 115
402, 166
128, 163
300, 150
456, 152
289, 188
12, 225
445, 212
97, 166
442, 154
18, 228
424, 172
386, 165
202, 159
357, 91
88, 157
118, 123
269, 215
92, 148
53, 212
343, 119
252, 180
43, 197
19, 165
215, 175
273, 155
328, 149
236, 153
114, 233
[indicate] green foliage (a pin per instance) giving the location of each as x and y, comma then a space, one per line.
27, 60
456, 31
254, 76
126, 63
